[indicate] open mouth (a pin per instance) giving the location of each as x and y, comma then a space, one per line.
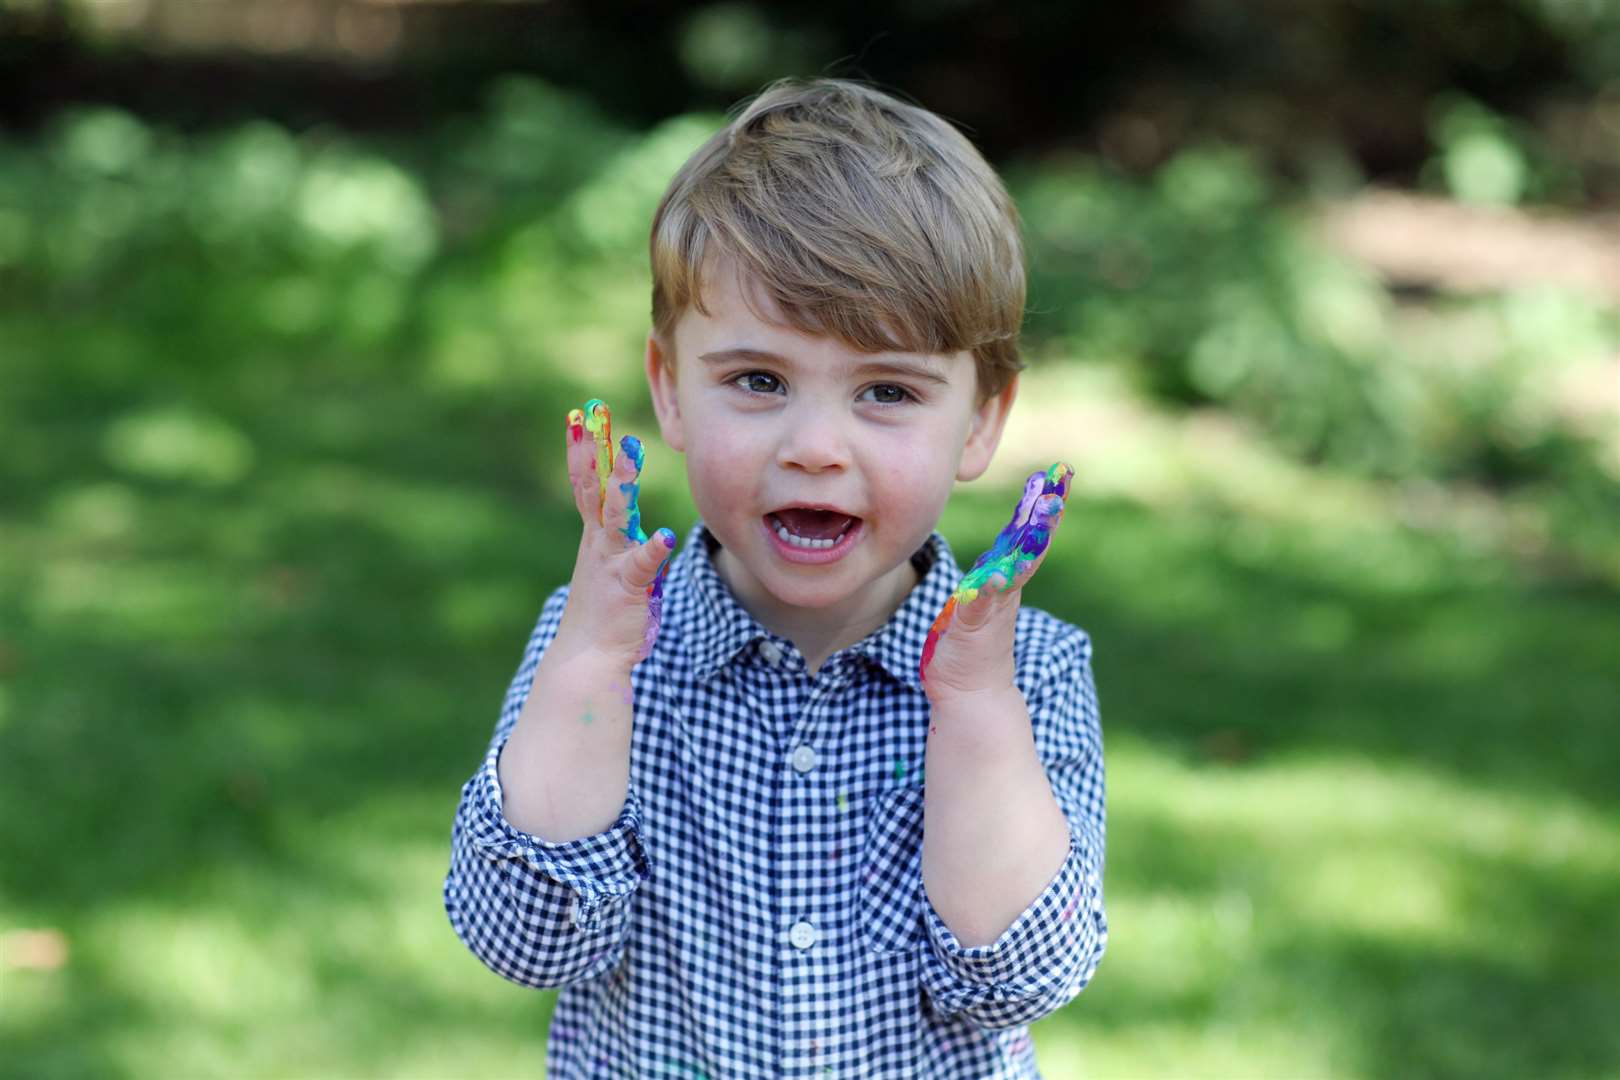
810, 528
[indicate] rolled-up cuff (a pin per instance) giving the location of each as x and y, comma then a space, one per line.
606, 865
1048, 953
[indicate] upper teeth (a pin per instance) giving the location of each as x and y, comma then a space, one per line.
804, 541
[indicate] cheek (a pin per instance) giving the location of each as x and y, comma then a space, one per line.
721, 465
913, 475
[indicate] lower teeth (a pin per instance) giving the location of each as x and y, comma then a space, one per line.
806, 542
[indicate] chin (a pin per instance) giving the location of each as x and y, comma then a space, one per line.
810, 595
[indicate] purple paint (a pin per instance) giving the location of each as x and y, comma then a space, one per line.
1018, 546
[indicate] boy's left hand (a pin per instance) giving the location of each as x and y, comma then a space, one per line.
970, 646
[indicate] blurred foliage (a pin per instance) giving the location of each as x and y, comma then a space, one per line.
280, 438
1356, 79
1208, 287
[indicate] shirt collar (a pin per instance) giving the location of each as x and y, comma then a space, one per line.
719, 627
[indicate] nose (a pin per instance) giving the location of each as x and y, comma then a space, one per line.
813, 439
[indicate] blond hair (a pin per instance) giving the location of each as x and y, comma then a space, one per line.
862, 217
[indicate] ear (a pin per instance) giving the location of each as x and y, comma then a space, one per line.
661, 382
984, 434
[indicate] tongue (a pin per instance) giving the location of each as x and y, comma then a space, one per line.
814, 524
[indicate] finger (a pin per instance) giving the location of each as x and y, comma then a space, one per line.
620, 512
942, 623
599, 422
1006, 541
582, 475
650, 558
975, 612
1037, 538
577, 454
1058, 478
663, 539
1043, 520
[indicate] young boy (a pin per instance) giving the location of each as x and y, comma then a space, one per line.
803, 800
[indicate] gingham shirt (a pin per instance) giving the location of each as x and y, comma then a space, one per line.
757, 908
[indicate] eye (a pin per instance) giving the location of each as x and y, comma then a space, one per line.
757, 382
890, 394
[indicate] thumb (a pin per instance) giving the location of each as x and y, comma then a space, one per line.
976, 612
649, 557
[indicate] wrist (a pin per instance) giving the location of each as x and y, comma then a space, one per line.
970, 696
588, 660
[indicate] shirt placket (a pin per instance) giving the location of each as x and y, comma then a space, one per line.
808, 801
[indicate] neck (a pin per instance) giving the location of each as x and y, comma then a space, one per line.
815, 632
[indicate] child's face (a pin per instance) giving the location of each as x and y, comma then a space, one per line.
815, 425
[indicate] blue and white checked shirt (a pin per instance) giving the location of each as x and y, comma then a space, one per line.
757, 909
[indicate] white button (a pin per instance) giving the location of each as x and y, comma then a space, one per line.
769, 652
804, 759
573, 914
803, 935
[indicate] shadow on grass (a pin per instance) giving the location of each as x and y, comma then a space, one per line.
192, 691
1515, 979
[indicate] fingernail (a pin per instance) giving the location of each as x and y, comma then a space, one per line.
669, 537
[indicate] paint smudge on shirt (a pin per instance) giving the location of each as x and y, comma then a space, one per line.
843, 803
1068, 912
1020, 543
900, 768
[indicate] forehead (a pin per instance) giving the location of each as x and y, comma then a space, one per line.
735, 299
742, 312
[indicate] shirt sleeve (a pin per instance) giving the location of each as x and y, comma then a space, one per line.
538, 913
1050, 952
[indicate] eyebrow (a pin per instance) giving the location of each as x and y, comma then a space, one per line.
920, 369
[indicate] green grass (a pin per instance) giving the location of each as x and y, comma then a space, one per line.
273, 534
1355, 830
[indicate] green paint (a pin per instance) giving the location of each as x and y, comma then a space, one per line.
899, 768
843, 803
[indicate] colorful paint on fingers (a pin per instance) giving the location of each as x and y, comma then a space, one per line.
597, 418
599, 422
632, 449
1024, 539
655, 596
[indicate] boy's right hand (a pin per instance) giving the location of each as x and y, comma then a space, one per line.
615, 598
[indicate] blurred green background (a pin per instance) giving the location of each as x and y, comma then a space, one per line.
1325, 309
